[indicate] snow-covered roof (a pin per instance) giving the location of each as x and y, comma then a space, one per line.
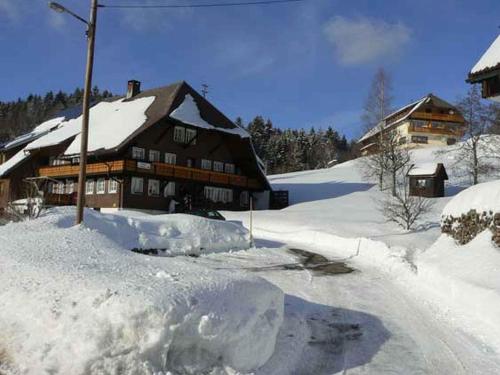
384, 124
425, 169
111, 123
490, 59
481, 197
37, 132
18, 158
189, 113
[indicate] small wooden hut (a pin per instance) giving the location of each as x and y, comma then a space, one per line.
427, 180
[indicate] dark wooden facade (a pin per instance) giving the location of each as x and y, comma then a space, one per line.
428, 185
188, 179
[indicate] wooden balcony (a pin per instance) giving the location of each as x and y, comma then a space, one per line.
72, 170
438, 117
458, 132
154, 169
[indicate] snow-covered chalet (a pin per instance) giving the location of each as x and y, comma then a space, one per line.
487, 72
428, 122
145, 149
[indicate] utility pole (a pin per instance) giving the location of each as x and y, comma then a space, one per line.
84, 135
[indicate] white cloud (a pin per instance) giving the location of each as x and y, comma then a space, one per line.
363, 40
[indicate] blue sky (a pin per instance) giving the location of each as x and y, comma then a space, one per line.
304, 64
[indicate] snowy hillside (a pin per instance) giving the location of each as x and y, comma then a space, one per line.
76, 301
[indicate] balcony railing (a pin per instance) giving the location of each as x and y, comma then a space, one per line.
155, 169
438, 117
458, 132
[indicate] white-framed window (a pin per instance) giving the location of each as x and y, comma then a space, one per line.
206, 164
138, 153
112, 186
179, 134
60, 188
137, 185
191, 136
153, 188
154, 155
100, 186
169, 190
229, 168
190, 163
89, 187
216, 194
70, 187
244, 198
218, 166
170, 158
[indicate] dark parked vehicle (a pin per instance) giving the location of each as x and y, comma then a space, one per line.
209, 214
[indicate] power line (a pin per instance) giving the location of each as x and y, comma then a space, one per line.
206, 5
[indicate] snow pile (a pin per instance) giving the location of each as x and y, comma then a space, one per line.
483, 197
175, 234
189, 113
75, 302
465, 280
490, 59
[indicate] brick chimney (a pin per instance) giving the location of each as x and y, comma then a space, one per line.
133, 88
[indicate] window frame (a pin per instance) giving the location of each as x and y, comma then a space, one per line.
172, 157
208, 164
112, 186
178, 130
169, 189
142, 151
100, 189
153, 183
220, 167
190, 140
132, 185
89, 183
154, 152
230, 170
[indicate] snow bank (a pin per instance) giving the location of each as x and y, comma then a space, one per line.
175, 234
465, 280
481, 197
189, 113
75, 302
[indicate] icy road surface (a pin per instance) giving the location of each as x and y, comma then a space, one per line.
354, 323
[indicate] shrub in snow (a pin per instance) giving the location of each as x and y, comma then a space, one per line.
473, 211
74, 301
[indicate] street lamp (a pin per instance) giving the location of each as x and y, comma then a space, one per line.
91, 27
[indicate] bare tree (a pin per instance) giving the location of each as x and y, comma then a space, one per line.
478, 154
401, 207
378, 103
377, 106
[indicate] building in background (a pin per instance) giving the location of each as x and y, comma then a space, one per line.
428, 122
487, 72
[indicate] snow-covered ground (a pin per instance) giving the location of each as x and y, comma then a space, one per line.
415, 303
75, 300
334, 212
